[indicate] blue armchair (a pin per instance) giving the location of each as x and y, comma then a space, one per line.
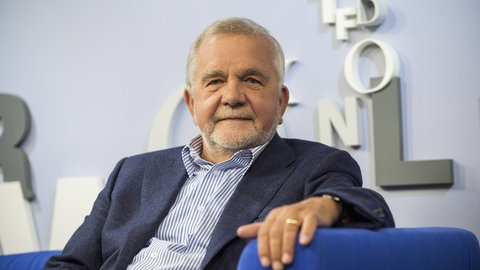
392, 249
26, 261
342, 249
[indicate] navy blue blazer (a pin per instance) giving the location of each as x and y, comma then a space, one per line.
142, 188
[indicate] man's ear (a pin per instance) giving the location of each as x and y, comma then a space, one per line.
283, 102
188, 98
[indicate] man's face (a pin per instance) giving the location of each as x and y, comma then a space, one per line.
235, 99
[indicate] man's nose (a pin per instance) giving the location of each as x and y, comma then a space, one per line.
233, 94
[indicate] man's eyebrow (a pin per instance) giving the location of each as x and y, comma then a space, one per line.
212, 74
255, 72
248, 72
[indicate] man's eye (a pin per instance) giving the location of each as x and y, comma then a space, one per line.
252, 80
214, 82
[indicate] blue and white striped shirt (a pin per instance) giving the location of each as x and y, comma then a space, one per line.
183, 236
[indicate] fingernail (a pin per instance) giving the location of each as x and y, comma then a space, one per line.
286, 258
265, 261
277, 265
303, 239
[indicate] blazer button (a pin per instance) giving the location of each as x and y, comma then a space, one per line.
378, 213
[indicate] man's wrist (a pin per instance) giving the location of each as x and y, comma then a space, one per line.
339, 203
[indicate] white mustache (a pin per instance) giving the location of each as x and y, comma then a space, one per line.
223, 116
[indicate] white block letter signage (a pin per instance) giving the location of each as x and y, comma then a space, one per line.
351, 65
379, 12
330, 117
17, 228
365, 13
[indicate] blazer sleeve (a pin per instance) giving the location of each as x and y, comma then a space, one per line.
84, 249
340, 176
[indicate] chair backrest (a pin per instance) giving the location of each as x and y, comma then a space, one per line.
390, 248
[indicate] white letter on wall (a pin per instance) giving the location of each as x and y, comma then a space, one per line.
160, 134
17, 230
345, 19
74, 198
330, 117
351, 65
380, 12
328, 11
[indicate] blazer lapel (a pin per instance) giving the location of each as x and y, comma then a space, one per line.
254, 192
165, 176
163, 179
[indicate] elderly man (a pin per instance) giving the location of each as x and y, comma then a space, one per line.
195, 207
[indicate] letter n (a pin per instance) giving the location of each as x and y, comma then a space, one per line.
330, 117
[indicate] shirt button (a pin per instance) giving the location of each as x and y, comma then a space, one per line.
215, 172
154, 255
200, 208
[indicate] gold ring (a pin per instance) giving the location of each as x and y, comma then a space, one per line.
292, 221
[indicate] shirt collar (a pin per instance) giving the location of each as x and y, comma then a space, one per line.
191, 155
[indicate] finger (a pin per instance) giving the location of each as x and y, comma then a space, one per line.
263, 239
308, 230
275, 244
249, 230
289, 239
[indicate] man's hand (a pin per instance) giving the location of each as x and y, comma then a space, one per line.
278, 233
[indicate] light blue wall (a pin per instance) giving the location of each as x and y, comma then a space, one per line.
95, 73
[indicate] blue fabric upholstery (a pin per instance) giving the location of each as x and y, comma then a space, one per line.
347, 249
26, 261
393, 249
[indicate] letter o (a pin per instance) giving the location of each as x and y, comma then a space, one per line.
351, 65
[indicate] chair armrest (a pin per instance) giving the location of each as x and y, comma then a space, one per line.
26, 261
389, 248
